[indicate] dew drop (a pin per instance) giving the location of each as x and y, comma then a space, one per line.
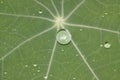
101, 45
74, 78
40, 12
63, 37
45, 77
107, 45
5, 73
35, 65
106, 13
38, 70
81, 29
26, 66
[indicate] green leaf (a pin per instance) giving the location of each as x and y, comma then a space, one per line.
29, 49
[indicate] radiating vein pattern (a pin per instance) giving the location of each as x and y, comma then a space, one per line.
2, 69
38, 2
26, 16
29, 39
59, 21
51, 60
55, 7
92, 27
73, 11
62, 8
85, 61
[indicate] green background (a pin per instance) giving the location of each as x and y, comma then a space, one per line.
67, 64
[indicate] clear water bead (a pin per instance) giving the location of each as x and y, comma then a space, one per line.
63, 37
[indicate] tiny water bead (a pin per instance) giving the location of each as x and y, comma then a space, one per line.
107, 45
40, 12
63, 37
5, 73
34, 65
45, 77
26, 66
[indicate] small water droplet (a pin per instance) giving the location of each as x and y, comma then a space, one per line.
107, 45
5, 73
45, 77
40, 12
38, 70
26, 65
101, 45
74, 78
35, 65
81, 29
106, 13
63, 37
